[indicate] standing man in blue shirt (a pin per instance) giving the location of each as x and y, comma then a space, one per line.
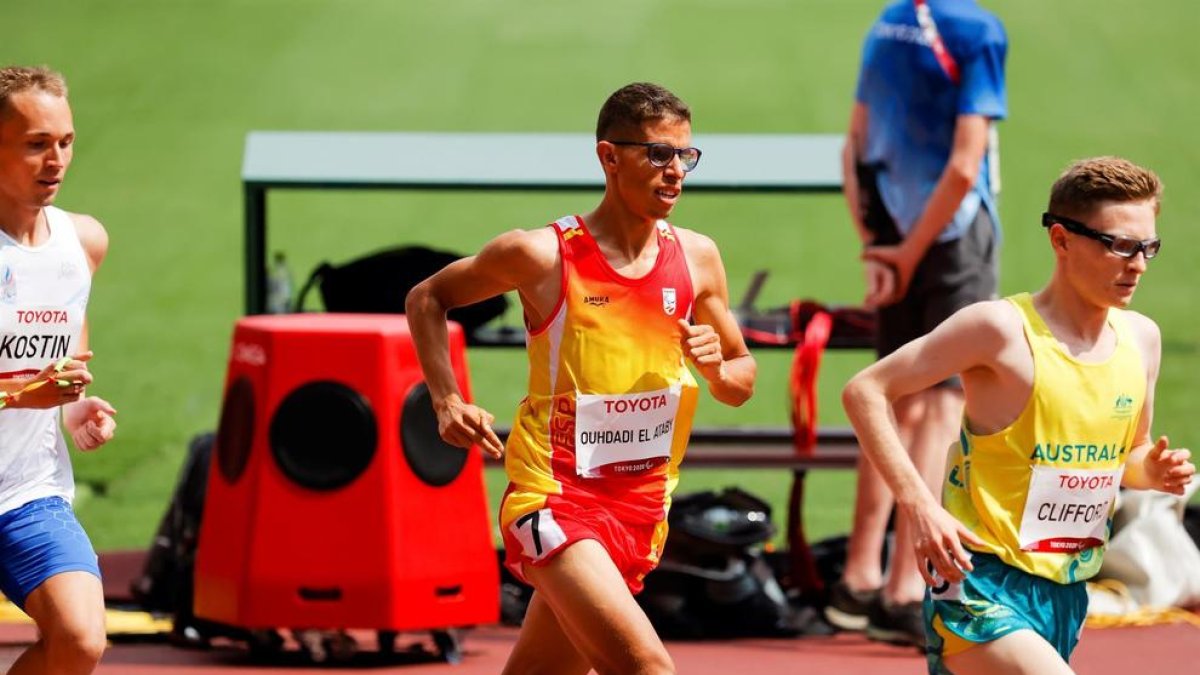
920, 183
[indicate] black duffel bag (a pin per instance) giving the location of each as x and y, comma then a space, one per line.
379, 282
714, 580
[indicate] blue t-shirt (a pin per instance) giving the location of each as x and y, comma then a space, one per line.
913, 104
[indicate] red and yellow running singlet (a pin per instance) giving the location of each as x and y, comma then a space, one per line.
611, 399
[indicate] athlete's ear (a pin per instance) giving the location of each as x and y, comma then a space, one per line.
607, 152
1058, 238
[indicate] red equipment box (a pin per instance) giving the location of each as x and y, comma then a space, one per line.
332, 502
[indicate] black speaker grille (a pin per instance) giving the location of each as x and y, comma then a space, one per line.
323, 435
235, 430
433, 460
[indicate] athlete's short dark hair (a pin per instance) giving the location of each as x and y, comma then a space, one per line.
635, 104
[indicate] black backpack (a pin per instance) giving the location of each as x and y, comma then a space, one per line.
714, 580
378, 284
165, 584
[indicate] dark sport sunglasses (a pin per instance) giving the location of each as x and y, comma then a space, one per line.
1126, 247
661, 154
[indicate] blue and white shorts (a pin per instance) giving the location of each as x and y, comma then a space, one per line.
39, 540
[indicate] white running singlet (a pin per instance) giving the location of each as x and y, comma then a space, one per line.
43, 296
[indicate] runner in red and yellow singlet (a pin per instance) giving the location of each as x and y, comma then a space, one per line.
617, 302
597, 442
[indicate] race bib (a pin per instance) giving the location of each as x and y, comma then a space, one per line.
618, 434
1067, 509
33, 337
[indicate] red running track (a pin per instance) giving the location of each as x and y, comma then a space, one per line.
1161, 649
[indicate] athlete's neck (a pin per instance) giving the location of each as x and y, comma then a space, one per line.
1072, 318
27, 226
620, 233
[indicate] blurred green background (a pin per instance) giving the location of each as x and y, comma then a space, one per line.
164, 92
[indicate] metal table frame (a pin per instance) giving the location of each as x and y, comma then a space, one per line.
291, 160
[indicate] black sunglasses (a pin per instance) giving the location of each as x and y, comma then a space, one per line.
1126, 247
661, 154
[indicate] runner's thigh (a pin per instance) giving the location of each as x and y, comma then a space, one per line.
597, 612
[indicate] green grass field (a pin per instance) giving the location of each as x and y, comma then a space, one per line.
164, 93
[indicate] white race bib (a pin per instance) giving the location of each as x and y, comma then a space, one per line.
1067, 509
617, 434
31, 338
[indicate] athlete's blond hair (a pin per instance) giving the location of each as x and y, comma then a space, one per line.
1088, 184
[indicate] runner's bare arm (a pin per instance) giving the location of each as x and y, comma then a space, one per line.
967, 340
714, 343
93, 237
90, 420
1153, 465
94, 240
518, 260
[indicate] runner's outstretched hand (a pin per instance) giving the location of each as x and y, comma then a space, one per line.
1168, 470
938, 544
59, 383
90, 422
463, 424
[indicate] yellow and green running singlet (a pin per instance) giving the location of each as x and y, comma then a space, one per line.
1041, 491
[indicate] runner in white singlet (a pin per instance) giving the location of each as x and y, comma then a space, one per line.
47, 258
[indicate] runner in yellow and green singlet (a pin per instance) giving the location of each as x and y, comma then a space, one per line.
1059, 390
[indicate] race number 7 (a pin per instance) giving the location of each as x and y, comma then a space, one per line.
533, 518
